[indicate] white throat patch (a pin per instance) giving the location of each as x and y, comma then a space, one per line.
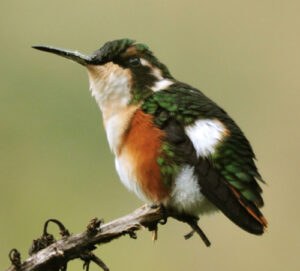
110, 85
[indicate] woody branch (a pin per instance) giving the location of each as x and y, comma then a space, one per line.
49, 254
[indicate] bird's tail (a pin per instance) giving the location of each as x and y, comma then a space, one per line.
235, 206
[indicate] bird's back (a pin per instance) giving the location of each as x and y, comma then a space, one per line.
201, 135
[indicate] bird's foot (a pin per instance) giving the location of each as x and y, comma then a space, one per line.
154, 226
189, 235
164, 212
193, 222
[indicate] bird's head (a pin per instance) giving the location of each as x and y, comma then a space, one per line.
121, 72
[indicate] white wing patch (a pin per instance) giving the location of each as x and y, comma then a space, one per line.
205, 135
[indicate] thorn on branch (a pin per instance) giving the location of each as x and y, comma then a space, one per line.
15, 258
132, 234
94, 226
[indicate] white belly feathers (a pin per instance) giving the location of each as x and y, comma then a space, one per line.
186, 196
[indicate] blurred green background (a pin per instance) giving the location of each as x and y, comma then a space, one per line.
54, 158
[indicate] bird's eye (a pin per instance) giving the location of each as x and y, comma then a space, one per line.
134, 62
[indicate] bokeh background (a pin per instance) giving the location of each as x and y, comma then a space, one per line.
54, 158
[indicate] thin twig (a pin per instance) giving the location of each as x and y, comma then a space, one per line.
62, 230
15, 258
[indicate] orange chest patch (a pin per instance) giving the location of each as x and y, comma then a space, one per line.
142, 142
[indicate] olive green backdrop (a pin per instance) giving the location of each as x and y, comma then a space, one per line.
54, 158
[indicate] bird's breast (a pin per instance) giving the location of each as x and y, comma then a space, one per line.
136, 160
116, 123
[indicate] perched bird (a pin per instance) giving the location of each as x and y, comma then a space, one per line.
172, 144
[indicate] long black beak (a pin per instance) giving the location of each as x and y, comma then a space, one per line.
74, 56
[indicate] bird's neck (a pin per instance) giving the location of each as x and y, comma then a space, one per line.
116, 122
110, 85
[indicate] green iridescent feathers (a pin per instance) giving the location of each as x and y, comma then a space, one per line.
148, 55
113, 49
110, 50
235, 162
233, 157
169, 163
139, 95
185, 105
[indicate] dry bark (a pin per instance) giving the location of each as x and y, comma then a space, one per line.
49, 254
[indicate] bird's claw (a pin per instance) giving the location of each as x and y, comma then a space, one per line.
153, 227
164, 220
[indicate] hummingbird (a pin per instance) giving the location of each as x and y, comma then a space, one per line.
172, 144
